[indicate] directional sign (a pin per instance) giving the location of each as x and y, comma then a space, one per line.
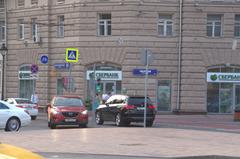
62, 65
71, 55
142, 72
44, 59
34, 68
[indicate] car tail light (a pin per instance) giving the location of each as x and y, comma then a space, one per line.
152, 107
129, 107
20, 106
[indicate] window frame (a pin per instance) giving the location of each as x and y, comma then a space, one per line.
237, 26
106, 24
21, 30
163, 22
2, 31
34, 29
61, 28
213, 24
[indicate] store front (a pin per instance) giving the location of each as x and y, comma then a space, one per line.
108, 79
223, 93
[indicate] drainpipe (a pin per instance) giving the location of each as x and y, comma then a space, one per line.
179, 55
6, 45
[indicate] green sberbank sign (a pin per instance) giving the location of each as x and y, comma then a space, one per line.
223, 77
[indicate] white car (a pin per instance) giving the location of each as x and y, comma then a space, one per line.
12, 118
25, 104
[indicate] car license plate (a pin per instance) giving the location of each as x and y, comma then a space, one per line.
70, 120
140, 108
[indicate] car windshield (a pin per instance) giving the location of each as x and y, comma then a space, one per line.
66, 101
23, 101
138, 101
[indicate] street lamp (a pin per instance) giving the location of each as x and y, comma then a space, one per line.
3, 51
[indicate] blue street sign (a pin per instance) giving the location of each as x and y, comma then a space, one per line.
44, 59
71, 55
141, 72
62, 65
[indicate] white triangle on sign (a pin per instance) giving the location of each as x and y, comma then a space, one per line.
72, 55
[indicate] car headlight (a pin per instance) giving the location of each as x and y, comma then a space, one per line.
55, 111
84, 112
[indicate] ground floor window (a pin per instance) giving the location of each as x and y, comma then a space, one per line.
164, 95
223, 89
27, 82
60, 86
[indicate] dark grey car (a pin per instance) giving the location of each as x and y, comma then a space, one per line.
124, 109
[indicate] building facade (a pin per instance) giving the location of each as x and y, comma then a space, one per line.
193, 45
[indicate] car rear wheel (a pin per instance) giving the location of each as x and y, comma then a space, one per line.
13, 124
33, 117
149, 123
118, 120
98, 118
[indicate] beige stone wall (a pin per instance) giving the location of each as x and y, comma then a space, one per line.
135, 23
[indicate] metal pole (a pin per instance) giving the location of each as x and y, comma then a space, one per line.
145, 92
69, 77
3, 72
94, 90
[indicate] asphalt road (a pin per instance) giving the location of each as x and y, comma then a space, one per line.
109, 141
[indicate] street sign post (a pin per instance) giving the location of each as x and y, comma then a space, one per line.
146, 59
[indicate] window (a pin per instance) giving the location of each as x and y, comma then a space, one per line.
165, 25
34, 30
2, 31
3, 106
1, 3
20, 3
237, 26
20, 29
60, 1
104, 25
214, 25
164, 95
34, 2
60, 32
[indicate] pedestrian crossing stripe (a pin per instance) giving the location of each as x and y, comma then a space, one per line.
71, 55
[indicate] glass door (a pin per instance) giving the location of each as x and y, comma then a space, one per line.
237, 96
226, 98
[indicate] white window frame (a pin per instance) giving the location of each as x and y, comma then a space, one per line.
2, 31
105, 23
21, 30
60, 30
237, 26
34, 30
164, 23
21, 3
213, 24
34, 2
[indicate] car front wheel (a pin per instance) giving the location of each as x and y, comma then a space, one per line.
13, 124
98, 118
118, 120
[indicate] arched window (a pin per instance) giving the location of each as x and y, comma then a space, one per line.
27, 83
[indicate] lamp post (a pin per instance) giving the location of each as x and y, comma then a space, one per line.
3, 51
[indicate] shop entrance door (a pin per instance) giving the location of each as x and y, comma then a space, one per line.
236, 95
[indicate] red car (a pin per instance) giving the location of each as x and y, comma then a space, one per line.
67, 110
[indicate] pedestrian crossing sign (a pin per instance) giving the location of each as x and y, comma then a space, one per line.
71, 55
